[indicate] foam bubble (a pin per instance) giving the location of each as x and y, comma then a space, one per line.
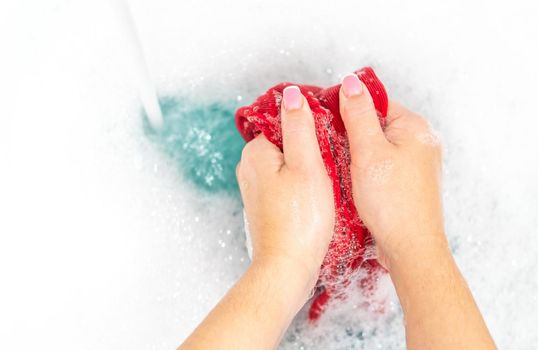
138, 236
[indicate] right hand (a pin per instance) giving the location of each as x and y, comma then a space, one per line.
396, 174
288, 195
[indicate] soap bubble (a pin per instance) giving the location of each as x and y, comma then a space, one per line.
202, 139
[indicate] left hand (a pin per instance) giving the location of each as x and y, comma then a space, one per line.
288, 195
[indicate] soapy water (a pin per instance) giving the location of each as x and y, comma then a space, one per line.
149, 249
201, 139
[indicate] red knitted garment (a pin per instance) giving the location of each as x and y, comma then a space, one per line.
348, 248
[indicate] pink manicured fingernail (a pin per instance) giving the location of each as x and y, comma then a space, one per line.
292, 98
351, 85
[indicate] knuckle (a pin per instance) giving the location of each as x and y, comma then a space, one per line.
238, 170
358, 108
307, 166
244, 152
431, 150
362, 160
299, 124
247, 151
439, 150
298, 166
419, 123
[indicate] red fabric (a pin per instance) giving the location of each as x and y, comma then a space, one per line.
351, 238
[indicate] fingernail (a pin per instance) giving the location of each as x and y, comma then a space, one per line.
351, 85
292, 98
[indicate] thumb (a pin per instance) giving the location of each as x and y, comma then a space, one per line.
299, 141
359, 115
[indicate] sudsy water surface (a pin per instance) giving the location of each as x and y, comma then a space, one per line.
201, 138
133, 237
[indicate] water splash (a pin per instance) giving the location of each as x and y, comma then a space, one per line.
202, 139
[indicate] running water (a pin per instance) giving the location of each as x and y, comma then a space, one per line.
137, 62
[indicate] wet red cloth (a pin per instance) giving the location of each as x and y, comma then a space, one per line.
348, 248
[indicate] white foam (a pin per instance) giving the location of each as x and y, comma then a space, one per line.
104, 246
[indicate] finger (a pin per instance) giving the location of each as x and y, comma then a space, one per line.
238, 172
359, 115
241, 182
300, 144
403, 122
396, 111
260, 153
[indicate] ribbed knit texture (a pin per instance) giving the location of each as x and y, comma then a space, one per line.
351, 246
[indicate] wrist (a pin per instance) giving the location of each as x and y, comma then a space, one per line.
292, 276
415, 247
419, 257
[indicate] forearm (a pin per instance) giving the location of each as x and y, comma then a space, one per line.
439, 309
256, 311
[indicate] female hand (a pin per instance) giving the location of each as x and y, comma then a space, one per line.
396, 188
287, 195
289, 205
395, 174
